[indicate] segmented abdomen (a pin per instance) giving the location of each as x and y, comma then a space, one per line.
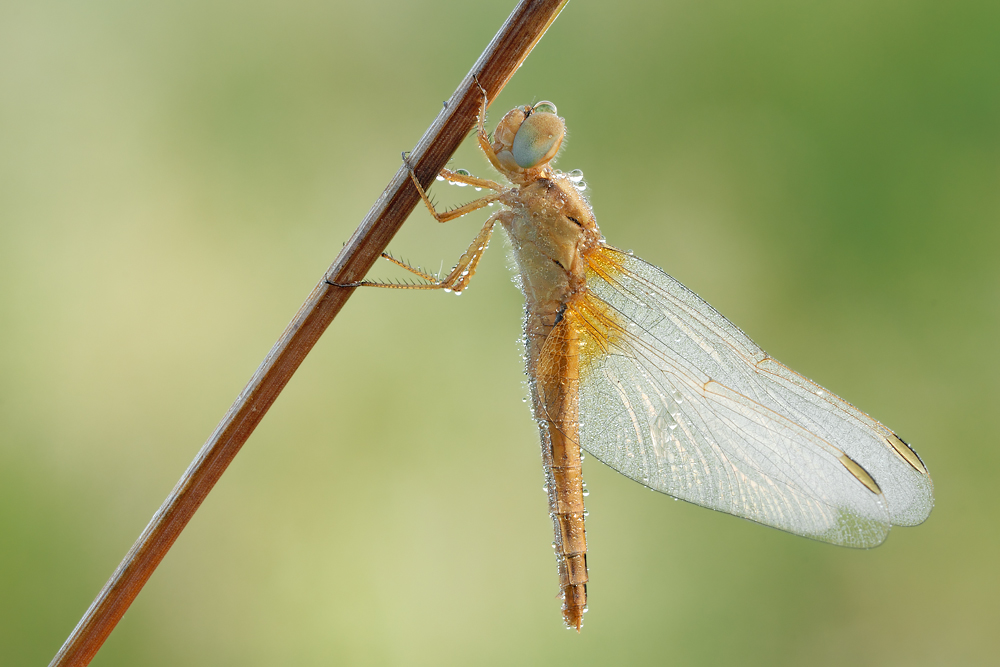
552, 344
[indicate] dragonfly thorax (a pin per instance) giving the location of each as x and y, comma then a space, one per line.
550, 226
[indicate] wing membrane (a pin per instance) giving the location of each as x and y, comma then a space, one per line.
676, 397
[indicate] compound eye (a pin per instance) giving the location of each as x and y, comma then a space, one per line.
538, 139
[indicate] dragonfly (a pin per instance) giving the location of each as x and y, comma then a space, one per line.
629, 365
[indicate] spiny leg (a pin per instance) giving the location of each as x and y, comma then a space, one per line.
465, 209
459, 278
416, 270
481, 135
466, 179
461, 176
461, 275
481, 120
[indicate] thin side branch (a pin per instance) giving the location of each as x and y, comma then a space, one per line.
503, 56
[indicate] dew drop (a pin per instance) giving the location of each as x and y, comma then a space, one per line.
586, 492
576, 175
440, 177
581, 186
544, 107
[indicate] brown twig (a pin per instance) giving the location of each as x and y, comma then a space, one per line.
495, 66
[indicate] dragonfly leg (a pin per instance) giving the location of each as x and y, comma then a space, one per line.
458, 279
416, 270
455, 177
481, 135
464, 209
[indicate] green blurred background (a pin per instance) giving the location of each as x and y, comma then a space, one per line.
175, 178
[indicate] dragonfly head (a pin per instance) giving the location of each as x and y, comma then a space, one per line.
528, 137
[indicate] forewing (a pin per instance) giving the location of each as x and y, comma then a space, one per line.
676, 397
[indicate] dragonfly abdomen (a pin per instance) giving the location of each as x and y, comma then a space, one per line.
554, 356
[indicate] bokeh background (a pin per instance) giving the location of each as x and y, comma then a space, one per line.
176, 176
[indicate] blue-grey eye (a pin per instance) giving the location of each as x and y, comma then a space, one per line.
538, 139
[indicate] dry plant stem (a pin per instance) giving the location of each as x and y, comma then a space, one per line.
495, 66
